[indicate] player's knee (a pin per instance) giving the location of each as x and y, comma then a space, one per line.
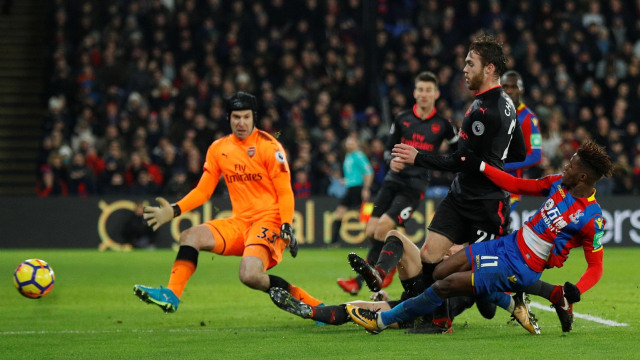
428, 256
395, 233
370, 229
250, 279
439, 273
442, 287
382, 230
189, 237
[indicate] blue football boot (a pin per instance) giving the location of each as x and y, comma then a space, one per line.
163, 297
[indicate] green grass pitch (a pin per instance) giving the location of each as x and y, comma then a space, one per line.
92, 314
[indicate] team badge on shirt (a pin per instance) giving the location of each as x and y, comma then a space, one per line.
575, 218
280, 157
478, 128
251, 151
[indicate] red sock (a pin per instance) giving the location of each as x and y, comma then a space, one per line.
556, 294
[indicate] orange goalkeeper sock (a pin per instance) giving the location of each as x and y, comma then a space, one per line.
303, 296
180, 274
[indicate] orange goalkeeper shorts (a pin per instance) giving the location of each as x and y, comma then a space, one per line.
261, 238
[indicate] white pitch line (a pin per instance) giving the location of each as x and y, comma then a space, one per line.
115, 331
579, 316
44, 332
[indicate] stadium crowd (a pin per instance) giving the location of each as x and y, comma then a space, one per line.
136, 88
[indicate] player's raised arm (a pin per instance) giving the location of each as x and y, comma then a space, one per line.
508, 182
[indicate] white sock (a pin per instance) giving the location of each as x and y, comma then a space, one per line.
512, 306
379, 322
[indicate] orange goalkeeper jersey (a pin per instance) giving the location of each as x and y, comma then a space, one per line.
257, 176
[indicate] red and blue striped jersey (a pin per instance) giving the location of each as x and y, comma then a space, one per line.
562, 223
532, 141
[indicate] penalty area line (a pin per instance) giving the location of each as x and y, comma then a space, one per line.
579, 316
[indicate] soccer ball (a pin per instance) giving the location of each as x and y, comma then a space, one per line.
34, 278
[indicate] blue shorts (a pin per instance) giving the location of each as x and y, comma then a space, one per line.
498, 266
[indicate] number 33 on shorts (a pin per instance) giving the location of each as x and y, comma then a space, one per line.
270, 237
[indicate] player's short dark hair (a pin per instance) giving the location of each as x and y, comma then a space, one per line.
595, 160
517, 76
427, 76
490, 50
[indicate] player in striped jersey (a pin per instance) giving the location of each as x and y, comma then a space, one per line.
512, 84
562, 297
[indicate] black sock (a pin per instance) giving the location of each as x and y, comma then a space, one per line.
540, 288
412, 287
442, 311
486, 309
188, 253
332, 315
459, 304
277, 281
374, 251
390, 255
427, 272
372, 255
335, 231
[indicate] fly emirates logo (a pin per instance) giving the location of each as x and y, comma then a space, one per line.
242, 175
418, 142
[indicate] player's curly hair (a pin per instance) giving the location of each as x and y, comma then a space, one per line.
595, 159
491, 52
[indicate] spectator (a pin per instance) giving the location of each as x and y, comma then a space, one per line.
49, 184
143, 185
136, 232
635, 170
81, 178
137, 164
162, 65
301, 184
178, 185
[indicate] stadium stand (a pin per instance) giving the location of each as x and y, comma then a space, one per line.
21, 94
148, 77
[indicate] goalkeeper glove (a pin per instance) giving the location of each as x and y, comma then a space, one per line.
286, 233
158, 215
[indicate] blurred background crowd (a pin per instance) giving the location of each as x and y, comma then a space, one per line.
136, 88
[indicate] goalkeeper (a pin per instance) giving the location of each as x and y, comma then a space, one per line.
255, 169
